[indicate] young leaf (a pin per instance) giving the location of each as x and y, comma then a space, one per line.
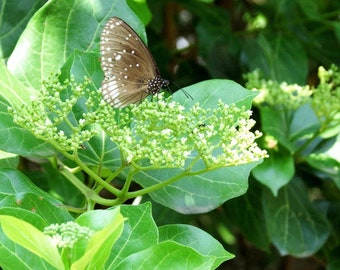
100, 244
26, 235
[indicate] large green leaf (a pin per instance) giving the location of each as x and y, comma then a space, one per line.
246, 214
209, 92
17, 191
143, 246
294, 225
204, 192
15, 139
197, 239
276, 55
14, 17
201, 193
8, 160
166, 255
140, 232
56, 30
12, 91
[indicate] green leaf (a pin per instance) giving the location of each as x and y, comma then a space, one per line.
141, 8
246, 214
18, 191
197, 239
140, 232
275, 171
204, 192
334, 260
32, 239
13, 22
327, 166
12, 92
183, 246
15, 139
276, 123
83, 63
209, 92
8, 160
56, 30
50, 179
254, 231
14, 256
289, 127
99, 247
275, 55
294, 225
166, 255
304, 122
216, 43
201, 193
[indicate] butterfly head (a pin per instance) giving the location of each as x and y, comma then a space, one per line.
156, 84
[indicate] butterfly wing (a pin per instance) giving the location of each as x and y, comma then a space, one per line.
127, 64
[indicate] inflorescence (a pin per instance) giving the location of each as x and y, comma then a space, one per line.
275, 94
160, 133
66, 235
324, 98
51, 117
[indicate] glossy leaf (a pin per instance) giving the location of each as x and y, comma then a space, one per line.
275, 55
18, 191
140, 232
197, 239
8, 160
203, 192
29, 237
101, 242
166, 255
275, 171
55, 32
209, 92
246, 214
294, 225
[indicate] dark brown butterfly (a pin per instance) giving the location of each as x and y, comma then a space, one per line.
130, 72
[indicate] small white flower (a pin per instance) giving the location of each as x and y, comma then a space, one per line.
166, 131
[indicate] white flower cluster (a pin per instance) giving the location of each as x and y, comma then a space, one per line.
164, 134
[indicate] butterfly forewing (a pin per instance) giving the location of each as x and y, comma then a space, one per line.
130, 72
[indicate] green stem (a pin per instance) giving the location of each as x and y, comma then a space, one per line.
92, 174
89, 193
69, 123
115, 173
100, 181
123, 196
166, 182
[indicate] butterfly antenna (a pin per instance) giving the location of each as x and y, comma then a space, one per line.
179, 88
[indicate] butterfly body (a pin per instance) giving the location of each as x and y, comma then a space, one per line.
130, 72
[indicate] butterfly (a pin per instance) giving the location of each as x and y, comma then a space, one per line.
130, 71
